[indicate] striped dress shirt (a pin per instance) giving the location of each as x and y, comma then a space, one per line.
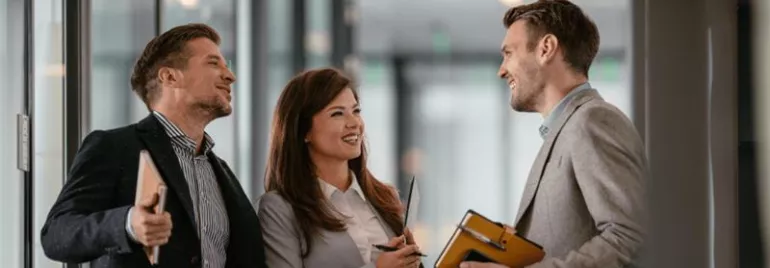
210, 212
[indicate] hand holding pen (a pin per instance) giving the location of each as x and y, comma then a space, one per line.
398, 254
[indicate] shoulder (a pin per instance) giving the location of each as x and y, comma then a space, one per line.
273, 202
120, 134
598, 111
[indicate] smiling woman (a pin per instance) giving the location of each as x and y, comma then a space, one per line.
320, 194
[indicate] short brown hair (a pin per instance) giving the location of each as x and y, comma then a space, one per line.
576, 33
166, 50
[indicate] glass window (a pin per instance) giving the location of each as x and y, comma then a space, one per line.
377, 101
11, 73
48, 125
119, 32
318, 39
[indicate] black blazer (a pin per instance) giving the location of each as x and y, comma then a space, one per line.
88, 220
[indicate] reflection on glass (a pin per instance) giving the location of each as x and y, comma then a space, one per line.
11, 73
119, 32
318, 39
48, 122
377, 102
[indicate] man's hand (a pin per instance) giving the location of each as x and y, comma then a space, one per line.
150, 229
473, 264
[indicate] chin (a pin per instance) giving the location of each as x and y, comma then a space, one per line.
353, 155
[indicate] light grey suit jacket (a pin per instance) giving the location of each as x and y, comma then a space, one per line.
584, 200
284, 243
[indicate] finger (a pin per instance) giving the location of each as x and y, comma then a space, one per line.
407, 250
149, 202
412, 261
409, 236
155, 230
157, 242
396, 241
159, 235
470, 264
151, 219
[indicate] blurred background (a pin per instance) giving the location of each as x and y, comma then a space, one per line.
688, 73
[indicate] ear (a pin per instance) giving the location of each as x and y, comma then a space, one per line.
546, 48
169, 77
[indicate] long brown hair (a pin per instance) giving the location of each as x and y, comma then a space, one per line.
290, 171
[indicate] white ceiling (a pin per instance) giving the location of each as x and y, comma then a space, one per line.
475, 26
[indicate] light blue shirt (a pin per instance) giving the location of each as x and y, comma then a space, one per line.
559, 109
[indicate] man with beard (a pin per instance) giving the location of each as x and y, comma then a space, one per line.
584, 198
185, 82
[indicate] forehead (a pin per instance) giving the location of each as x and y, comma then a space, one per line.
345, 96
516, 34
202, 47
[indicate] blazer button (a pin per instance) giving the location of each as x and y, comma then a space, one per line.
195, 261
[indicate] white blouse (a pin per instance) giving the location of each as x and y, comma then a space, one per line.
362, 224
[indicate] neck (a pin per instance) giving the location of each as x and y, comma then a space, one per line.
334, 172
191, 123
556, 89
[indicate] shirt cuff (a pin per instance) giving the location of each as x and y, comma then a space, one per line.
129, 229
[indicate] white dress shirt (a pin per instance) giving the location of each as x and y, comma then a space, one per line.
361, 222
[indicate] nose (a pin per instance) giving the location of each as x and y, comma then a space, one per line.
353, 121
501, 72
228, 76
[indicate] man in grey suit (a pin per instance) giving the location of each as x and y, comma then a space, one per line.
584, 198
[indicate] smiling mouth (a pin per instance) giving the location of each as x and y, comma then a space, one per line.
351, 139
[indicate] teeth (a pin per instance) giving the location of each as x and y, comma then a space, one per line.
351, 138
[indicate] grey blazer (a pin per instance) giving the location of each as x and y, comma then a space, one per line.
584, 199
284, 243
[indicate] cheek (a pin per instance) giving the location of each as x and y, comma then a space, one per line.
324, 138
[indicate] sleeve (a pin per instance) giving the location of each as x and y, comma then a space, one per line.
611, 170
282, 239
82, 224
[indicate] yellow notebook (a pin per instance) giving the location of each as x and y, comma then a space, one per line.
480, 239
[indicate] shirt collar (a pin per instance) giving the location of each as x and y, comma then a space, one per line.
329, 189
559, 109
176, 134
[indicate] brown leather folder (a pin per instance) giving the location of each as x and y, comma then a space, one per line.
477, 238
148, 183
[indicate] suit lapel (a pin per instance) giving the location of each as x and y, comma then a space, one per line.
159, 145
536, 173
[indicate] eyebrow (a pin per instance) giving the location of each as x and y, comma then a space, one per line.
341, 107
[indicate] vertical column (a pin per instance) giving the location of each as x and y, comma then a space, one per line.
404, 120
260, 94
723, 129
749, 229
29, 108
298, 34
344, 15
759, 68
77, 61
677, 133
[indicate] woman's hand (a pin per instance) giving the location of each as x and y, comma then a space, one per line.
405, 256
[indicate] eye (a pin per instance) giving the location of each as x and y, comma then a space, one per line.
357, 111
336, 113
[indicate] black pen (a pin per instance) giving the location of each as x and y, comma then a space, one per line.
390, 249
